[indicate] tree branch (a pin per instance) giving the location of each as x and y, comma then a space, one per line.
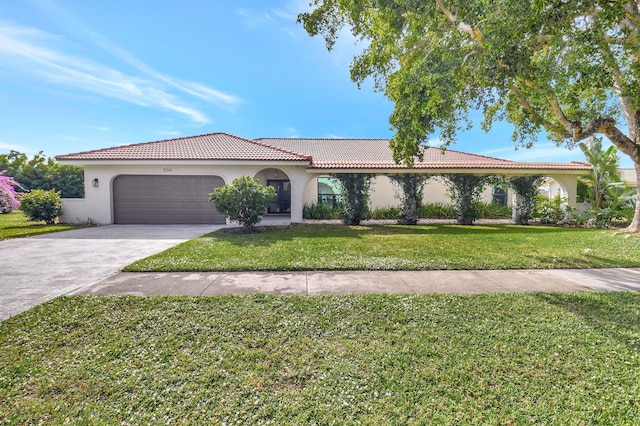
625, 101
472, 30
535, 117
569, 126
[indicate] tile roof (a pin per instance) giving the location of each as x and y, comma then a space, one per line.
214, 146
375, 154
334, 154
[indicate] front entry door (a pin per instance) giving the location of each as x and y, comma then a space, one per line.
282, 201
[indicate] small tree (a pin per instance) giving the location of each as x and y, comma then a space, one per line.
244, 201
526, 189
410, 192
465, 191
604, 171
355, 196
9, 199
41, 205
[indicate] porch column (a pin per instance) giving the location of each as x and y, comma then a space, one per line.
299, 180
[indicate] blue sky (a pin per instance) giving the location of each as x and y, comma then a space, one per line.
81, 75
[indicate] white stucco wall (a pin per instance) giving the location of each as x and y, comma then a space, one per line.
383, 193
97, 206
629, 177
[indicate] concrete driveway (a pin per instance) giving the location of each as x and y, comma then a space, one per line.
36, 269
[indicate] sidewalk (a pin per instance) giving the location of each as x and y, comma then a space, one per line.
312, 283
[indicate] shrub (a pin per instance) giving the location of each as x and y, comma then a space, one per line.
382, 213
41, 205
553, 211
493, 211
437, 211
320, 212
9, 199
244, 201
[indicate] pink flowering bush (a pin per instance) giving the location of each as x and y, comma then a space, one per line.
9, 198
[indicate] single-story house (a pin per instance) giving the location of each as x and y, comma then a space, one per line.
169, 181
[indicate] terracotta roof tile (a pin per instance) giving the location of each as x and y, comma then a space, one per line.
321, 153
214, 146
375, 154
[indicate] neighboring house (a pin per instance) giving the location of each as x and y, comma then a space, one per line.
628, 176
169, 181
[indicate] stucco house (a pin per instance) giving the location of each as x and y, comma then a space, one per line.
168, 181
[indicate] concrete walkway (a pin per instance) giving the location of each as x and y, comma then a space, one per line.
325, 282
36, 269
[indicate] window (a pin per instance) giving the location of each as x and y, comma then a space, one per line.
328, 192
499, 196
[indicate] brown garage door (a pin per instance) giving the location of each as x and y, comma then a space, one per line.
165, 199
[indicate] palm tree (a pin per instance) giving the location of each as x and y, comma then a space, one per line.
604, 173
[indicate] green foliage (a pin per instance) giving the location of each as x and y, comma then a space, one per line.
409, 188
568, 68
318, 211
386, 213
355, 189
604, 172
41, 172
69, 181
442, 211
612, 203
437, 211
493, 211
619, 210
526, 189
553, 211
39, 204
465, 191
244, 201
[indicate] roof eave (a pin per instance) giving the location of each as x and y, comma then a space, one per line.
451, 170
116, 162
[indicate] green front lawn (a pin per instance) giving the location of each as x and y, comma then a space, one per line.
566, 359
395, 247
16, 225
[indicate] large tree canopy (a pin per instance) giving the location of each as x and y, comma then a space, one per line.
570, 68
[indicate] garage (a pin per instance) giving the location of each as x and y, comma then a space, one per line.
145, 199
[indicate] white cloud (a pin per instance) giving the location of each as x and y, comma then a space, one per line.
172, 133
6, 147
34, 53
333, 136
253, 20
291, 132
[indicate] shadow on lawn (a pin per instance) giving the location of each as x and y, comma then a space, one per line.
614, 314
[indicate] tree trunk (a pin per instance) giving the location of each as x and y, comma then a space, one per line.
634, 226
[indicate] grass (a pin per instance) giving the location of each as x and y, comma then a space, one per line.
396, 247
570, 359
17, 225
